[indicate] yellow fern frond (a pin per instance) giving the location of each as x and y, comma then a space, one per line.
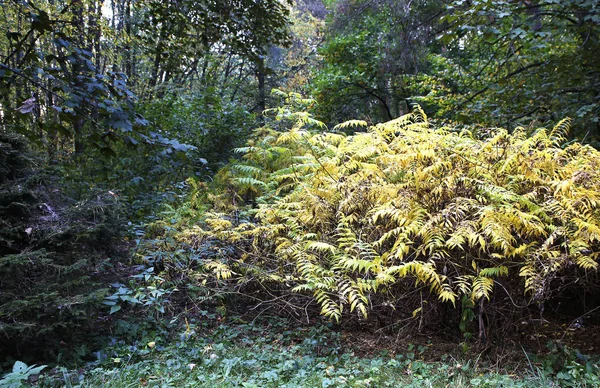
350, 124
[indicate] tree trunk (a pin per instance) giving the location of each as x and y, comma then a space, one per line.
261, 103
128, 48
78, 70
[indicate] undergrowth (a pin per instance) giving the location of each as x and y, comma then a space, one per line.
428, 222
274, 353
54, 250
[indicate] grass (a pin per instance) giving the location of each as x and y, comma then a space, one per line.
275, 355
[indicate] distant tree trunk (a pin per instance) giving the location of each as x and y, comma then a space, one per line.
128, 54
261, 103
533, 9
51, 116
93, 45
204, 69
157, 62
240, 78
94, 17
79, 121
16, 59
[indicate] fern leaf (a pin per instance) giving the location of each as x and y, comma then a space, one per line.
560, 131
350, 124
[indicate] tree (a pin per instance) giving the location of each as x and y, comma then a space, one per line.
184, 28
59, 70
51, 79
527, 60
374, 54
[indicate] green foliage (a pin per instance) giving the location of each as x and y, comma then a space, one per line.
19, 375
213, 125
246, 26
51, 251
502, 63
14, 158
517, 62
281, 354
54, 90
569, 367
150, 295
374, 59
351, 219
467, 317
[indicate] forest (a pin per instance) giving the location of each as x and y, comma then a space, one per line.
299, 193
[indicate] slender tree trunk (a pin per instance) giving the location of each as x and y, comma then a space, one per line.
156, 66
79, 121
481, 323
238, 82
261, 103
51, 116
128, 48
204, 68
94, 18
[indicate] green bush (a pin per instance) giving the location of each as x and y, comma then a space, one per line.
205, 120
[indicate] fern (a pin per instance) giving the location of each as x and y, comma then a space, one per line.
350, 218
560, 130
350, 124
481, 288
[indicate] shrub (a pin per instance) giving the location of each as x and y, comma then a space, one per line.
359, 221
52, 250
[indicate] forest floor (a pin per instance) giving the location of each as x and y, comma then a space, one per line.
275, 352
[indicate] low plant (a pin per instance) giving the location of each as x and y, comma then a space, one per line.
20, 375
569, 367
277, 353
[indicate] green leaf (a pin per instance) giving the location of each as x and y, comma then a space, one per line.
114, 309
41, 21
19, 367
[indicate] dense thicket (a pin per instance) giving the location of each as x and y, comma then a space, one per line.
77, 154
52, 252
501, 63
374, 60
